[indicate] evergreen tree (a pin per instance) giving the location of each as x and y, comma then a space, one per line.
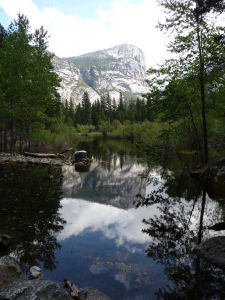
86, 109
28, 83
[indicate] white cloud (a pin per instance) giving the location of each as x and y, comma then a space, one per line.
72, 35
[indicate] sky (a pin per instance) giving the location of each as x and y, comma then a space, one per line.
76, 27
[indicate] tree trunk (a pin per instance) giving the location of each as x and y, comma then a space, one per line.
202, 91
5, 140
11, 135
196, 132
1, 138
200, 231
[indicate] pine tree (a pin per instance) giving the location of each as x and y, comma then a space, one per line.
86, 109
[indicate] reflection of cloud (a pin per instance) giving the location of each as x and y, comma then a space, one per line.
117, 224
123, 279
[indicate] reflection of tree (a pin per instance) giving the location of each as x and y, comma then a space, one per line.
174, 232
30, 200
107, 152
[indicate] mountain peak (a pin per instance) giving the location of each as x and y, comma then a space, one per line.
117, 69
127, 51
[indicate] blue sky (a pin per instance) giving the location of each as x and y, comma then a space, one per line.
4, 18
80, 26
85, 8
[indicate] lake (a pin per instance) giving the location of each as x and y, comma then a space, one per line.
128, 226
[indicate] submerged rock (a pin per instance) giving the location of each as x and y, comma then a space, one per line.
5, 241
34, 289
213, 250
82, 166
9, 270
212, 177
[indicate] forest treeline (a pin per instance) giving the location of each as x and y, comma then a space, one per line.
106, 109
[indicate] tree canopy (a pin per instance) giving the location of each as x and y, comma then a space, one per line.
28, 90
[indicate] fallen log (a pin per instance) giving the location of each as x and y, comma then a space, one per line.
43, 155
67, 150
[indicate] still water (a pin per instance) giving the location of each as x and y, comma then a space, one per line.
128, 226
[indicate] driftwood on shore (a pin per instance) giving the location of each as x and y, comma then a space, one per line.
74, 291
67, 150
43, 155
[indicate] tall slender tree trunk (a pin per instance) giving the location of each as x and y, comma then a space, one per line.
202, 91
195, 131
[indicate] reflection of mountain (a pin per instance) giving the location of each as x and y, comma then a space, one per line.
116, 185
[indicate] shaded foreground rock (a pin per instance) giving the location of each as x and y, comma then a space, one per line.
93, 294
13, 286
43, 290
33, 289
212, 177
213, 250
9, 270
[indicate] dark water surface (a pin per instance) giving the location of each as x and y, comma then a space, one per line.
93, 229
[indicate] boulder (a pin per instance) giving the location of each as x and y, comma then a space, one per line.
35, 272
212, 177
213, 250
80, 156
34, 289
9, 270
93, 294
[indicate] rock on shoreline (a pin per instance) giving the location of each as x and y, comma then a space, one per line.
33, 289
9, 270
14, 287
18, 158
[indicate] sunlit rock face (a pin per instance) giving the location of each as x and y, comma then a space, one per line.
118, 69
72, 87
118, 185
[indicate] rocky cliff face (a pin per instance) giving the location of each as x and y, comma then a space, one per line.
118, 69
72, 87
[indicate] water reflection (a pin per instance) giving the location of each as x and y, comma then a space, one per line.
86, 226
29, 204
185, 212
123, 226
116, 185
